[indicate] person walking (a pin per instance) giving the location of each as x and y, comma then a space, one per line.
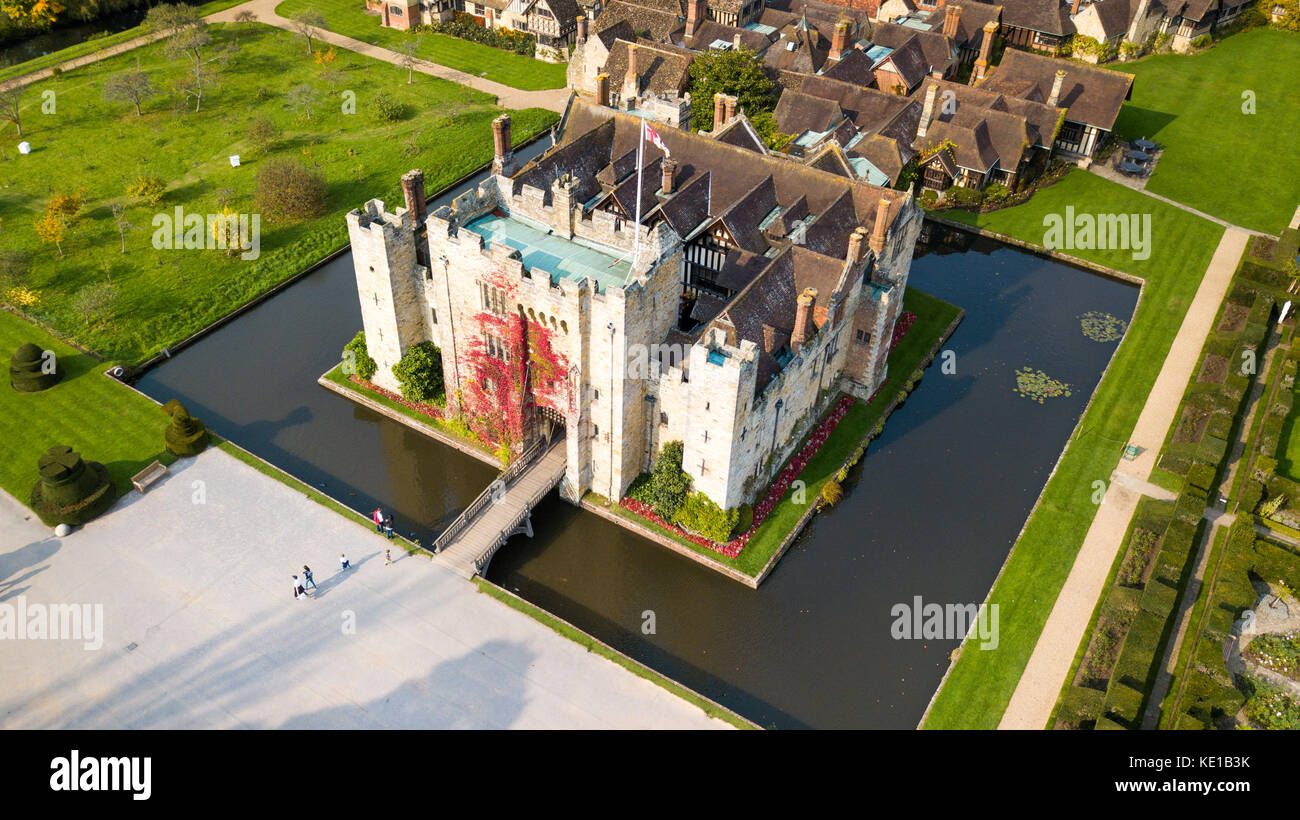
378, 517
343, 562
388, 526
298, 592
307, 579
388, 558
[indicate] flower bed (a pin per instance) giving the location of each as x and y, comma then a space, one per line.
901, 327
431, 410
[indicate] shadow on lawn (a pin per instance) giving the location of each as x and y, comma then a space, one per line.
1134, 122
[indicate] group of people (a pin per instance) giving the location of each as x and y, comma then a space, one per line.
383, 523
302, 582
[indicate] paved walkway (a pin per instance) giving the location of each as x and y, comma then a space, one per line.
1104, 171
201, 629
1040, 684
508, 97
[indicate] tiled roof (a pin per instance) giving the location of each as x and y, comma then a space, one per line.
741, 134
659, 23
710, 32
935, 47
797, 112
1047, 16
853, 67
660, 68
685, 210
970, 23
1114, 15
1092, 95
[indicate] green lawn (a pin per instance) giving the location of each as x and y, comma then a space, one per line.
87, 411
1218, 159
91, 46
99, 147
933, 318
980, 683
349, 18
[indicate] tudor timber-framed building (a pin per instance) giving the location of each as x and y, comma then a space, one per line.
553, 308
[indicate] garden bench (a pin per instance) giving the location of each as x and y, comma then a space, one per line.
148, 476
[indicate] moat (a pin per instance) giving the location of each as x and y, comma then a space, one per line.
931, 512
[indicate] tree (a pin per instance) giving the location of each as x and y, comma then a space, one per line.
132, 86
406, 57
170, 20
36, 14
325, 59
308, 24
419, 373
148, 190
11, 100
302, 99
736, 72
289, 191
94, 300
262, 132
51, 230
668, 484
66, 206
119, 219
187, 37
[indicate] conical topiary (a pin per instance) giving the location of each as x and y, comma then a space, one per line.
185, 436
27, 370
70, 491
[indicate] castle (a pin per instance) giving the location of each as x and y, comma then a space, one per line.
752, 291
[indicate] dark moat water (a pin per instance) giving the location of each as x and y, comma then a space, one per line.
931, 512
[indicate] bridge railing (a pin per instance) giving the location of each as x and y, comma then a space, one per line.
510, 473
481, 562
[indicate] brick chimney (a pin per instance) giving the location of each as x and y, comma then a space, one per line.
857, 242
581, 36
1055, 97
951, 19
386, 22
802, 318
413, 190
839, 40
503, 160
927, 112
735, 41
986, 50
719, 110
696, 14
669, 176
731, 107
1074, 9
631, 82
602, 89
877, 242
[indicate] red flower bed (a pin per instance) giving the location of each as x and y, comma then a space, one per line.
426, 409
901, 327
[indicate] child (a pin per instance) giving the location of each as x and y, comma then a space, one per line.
343, 561
388, 558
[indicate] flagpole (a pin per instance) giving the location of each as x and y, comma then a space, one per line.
640, 162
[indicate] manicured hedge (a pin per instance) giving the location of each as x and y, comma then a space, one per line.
70, 490
1200, 476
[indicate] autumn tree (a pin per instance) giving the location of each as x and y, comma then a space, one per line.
262, 132
325, 59
131, 86
289, 191
308, 24
65, 207
36, 14
51, 230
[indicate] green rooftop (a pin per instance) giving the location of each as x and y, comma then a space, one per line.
573, 259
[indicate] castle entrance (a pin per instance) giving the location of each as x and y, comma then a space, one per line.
550, 424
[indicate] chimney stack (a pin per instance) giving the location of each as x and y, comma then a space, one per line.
840, 40
731, 107
413, 190
695, 16
503, 161
631, 82
602, 89
735, 41
1074, 9
669, 176
857, 243
986, 49
927, 113
387, 21
582, 29
719, 110
877, 241
951, 18
1055, 97
802, 318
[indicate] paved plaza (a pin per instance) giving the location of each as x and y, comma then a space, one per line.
200, 628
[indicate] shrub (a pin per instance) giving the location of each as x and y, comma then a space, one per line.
1201, 42
996, 192
419, 373
665, 488
389, 110
832, 493
70, 490
1201, 476
929, 198
28, 371
148, 190
700, 515
262, 132
357, 357
963, 197
1251, 495
290, 191
466, 27
1190, 506
185, 436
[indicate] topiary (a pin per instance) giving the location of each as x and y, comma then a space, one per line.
70, 490
28, 372
185, 436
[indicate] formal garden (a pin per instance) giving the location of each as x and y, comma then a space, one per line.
979, 684
349, 18
123, 151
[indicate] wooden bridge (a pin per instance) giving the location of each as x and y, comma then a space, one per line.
502, 510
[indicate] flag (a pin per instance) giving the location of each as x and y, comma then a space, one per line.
653, 136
